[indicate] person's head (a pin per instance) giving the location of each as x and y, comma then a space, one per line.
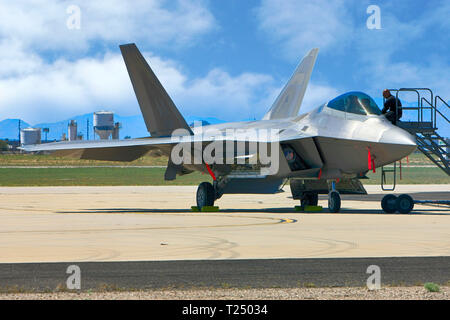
386, 93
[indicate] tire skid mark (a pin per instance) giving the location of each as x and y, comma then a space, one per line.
100, 254
333, 246
274, 221
212, 247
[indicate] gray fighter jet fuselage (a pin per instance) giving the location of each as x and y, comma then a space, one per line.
342, 137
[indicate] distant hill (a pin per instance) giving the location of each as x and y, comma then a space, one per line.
9, 128
131, 126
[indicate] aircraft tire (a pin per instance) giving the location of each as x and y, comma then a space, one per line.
309, 199
404, 203
205, 195
334, 201
389, 203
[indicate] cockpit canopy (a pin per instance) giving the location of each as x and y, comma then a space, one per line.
355, 102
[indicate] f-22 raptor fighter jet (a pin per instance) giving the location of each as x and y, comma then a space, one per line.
325, 151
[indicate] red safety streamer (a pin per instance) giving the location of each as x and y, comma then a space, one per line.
369, 159
320, 173
373, 165
210, 172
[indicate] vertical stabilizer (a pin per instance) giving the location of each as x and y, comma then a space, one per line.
290, 99
160, 114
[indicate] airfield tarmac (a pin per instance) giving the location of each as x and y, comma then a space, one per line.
154, 223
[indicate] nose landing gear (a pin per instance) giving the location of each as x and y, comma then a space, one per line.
334, 199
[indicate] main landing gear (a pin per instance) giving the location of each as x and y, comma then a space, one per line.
403, 203
334, 199
206, 195
309, 199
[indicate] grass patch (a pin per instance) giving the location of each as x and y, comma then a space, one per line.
130, 176
411, 175
93, 177
225, 285
417, 158
44, 160
432, 287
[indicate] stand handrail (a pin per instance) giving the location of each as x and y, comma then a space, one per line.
445, 103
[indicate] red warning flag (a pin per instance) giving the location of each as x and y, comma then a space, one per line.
210, 172
369, 159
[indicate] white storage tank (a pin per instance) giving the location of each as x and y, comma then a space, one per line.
72, 130
104, 124
30, 136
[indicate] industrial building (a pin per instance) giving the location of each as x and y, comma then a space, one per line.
104, 125
30, 136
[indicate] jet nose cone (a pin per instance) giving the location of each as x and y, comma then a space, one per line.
399, 144
396, 135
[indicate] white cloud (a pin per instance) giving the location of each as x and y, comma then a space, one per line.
15, 61
46, 72
387, 65
226, 97
59, 90
62, 89
42, 24
300, 26
373, 59
317, 95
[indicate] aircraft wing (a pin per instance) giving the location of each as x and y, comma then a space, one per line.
132, 149
109, 150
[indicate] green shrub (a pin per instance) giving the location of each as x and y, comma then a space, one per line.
4, 146
432, 287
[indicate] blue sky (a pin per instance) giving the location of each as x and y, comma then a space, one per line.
224, 59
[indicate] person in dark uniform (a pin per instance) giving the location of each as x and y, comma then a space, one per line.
390, 106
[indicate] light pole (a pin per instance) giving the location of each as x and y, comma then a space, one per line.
46, 131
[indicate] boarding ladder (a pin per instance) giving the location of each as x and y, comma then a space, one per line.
430, 112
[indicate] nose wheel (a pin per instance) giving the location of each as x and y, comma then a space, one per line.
334, 199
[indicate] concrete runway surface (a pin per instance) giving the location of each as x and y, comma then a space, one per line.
76, 224
231, 273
